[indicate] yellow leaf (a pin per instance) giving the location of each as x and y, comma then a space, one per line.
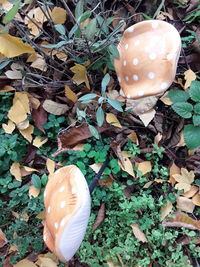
3, 239
193, 190
165, 99
46, 262
138, 233
166, 210
11, 46
8, 128
54, 107
39, 141
25, 263
185, 204
157, 138
23, 98
173, 170
70, 94
15, 171
33, 192
23, 125
41, 215
17, 113
34, 27
147, 116
133, 137
50, 166
58, 15
96, 167
7, 88
27, 133
35, 103
27, 171
144, 167
127, 166
112, 119
196, 199
189, 76
80, 75
185, 179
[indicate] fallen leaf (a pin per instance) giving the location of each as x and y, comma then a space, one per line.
3, 239
138, 233
144, 167
13, 248
39, 117
174, 169
80, 75
41, 215
23, 97
8, 128
58, 15
13, 74
60, 55
96, 167
17, 113
39, 63
196, 199
25, 263
33, 192
50, 166
157, 138
127, 165
166, 100
100, 217
39, 141
133, 137
184, 204
54, 107
27, 133
79, 147
193, 190
11, 46
106, 182
7, 88
45, 262
23, 125
181, 141
25, 170
15, 171
111, 263
189, 76
185, 179
147, 117
70, 94
112, 119
148, 184
166, 210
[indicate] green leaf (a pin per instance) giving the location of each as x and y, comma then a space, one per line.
93, 131
84, 16
191, 136
100, 116
178, 96
35, 179
79, 9
104, 83
58, 45
195, 91
91, 29
196, 120
197, 108
11, 13
115, 104
60, 28
183, 109
114, 51
87, 97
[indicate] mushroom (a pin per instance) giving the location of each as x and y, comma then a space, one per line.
149, 52
68, 204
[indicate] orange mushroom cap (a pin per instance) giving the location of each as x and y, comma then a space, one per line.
149, 52
67, 203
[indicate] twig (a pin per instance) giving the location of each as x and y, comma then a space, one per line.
159, 8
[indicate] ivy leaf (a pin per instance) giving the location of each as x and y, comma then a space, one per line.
178, 96
115, 104
196, 120
195, 91
191, 136
11, 13
36, 181
100, 116
197, 108
183, 109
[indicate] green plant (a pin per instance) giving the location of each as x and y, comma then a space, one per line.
187, 105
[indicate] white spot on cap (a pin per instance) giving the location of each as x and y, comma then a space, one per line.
62, 188
151, 75
140, 93
126, 46
74, 190
45, 193
56, 225
45, 238
164, 86
127, 78
62, 204
130, 29
135, 77
128, 96
119, 79
135, 61
152, 56
62, 223
137, 42
49, 209
124, 62
154, 24
170, 56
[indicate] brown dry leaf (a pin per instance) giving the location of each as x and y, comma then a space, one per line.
193, 190
33, 192
54, 107
133, 137
161, 181
138, 233
96, 167
13, 248
157, 138
144, 167
35, 103
60, 55
17, 113
185, 179
3, 239
70, 94
7, 88
100, 217
39, 63
25, 170
80, 75
184, 204
44, 261
25, 263
166, 210
39, 141
181, 141
147, 117
106, 182
15, 171
112, 119
58, 15
196, 199
127, 166
174, 169
189, 76
27, 133
165, 99
50, 166
181, 220
8, 128
34, 27
41, 215
23, 125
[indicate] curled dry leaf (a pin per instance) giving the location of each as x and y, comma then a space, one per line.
25, 170
185, 179
144, 167
96, 167
147, 117
189, 77
100, 217
174, 169
133, 137
54, 107
33, 192
27, 133
193, 190
3, 239
15, 171
184, 204
112, 119
50, 166
80, 75
166, 210
25, 263
138, 233
127, 165
39, 141
70, 94
196, 199
8, 128
23, 125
